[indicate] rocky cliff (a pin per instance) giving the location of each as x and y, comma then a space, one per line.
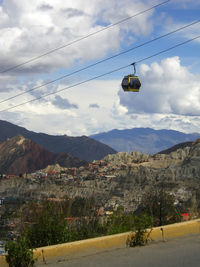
20, 155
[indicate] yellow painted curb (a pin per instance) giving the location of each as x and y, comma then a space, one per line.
93, 245
3, 262
80, 248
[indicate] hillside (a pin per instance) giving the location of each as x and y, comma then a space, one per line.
122, 179
144, 140
20, 155
81, 147
174, 148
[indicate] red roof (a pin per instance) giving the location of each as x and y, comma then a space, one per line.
185, 214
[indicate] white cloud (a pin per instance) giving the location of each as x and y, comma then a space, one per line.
188, 33
167, 87
6, 84
46, 117
30, 28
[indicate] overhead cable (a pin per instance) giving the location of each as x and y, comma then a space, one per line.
102, 75
101, 61
82, 38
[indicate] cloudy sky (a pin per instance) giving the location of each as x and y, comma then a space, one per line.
170, 94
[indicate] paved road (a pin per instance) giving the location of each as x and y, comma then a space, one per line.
180, 252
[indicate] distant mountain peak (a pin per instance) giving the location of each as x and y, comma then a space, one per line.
144, 140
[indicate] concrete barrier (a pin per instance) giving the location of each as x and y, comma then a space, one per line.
94, 245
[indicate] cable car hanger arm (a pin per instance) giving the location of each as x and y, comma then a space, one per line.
133, 64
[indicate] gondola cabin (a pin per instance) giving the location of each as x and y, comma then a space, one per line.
131, 83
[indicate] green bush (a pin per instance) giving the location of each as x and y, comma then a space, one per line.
19, 255
119, 223
49, 228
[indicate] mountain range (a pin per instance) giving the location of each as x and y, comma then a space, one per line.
22, 150
144, 140
83, 147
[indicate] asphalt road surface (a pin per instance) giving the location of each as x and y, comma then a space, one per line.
180, 252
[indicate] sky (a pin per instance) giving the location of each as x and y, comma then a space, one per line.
169, 97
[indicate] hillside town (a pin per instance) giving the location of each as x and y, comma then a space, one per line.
117, 181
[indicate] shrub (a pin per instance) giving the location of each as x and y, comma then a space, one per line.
19, 255
140, 236
49, 228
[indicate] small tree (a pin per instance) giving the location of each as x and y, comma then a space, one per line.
159, 204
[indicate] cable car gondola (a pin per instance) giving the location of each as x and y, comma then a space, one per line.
131, 82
